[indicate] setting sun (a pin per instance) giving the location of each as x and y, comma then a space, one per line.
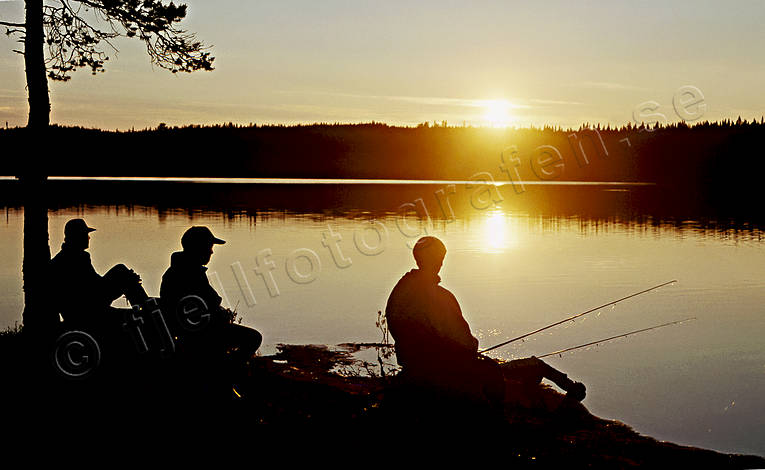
497, 113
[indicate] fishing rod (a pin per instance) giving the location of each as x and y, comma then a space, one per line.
575, 316
615, 337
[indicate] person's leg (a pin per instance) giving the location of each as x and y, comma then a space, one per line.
532, 370
230, 369
127, 282
245, 340
491, 375
575, 390
523, 371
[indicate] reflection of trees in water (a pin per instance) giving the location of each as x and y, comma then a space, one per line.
719, 210
587, 210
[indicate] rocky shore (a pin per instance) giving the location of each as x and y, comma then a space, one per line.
311, 387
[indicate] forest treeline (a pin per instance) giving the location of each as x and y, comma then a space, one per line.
707, 154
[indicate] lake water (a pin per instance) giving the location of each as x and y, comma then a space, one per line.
328, 255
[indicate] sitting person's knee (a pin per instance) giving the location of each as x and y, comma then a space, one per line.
255, 339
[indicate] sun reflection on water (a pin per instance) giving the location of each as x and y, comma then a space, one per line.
498, 235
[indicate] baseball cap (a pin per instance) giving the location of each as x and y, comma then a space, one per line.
199, 235
77, 226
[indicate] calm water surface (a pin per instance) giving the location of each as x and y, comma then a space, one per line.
513, 267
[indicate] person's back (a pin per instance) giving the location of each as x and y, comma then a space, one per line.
434, 344
78, 289
433, 341
193, 308
79, 293
183, 285
426, 323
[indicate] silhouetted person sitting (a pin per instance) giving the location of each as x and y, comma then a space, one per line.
193, 308
434, 344
80, 294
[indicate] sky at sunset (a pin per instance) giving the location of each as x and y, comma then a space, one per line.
478, 63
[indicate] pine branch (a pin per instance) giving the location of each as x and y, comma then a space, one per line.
12, 25
73, 42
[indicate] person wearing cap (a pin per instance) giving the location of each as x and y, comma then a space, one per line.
80, 294
434, 344
193, 307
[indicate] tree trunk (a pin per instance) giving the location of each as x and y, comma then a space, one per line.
34, 62
37, 316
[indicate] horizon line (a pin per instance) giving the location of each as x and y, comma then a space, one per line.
255, 180
433, 124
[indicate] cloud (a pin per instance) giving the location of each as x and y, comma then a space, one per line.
426, 100
559, 102
609, 86
467, 103
442, 101
10, 93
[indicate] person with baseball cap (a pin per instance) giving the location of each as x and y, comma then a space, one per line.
80, 294
196, 317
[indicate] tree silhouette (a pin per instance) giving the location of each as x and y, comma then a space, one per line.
76, 33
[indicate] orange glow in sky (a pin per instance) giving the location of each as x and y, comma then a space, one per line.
405, 63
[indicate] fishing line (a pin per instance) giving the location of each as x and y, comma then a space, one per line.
576, 316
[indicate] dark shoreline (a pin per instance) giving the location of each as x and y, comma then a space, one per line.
299, 388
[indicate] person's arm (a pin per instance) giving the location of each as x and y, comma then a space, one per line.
102, 291
456, 329
178, 284
203, 289
415, 337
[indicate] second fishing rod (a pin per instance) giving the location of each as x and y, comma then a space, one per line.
573, 317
